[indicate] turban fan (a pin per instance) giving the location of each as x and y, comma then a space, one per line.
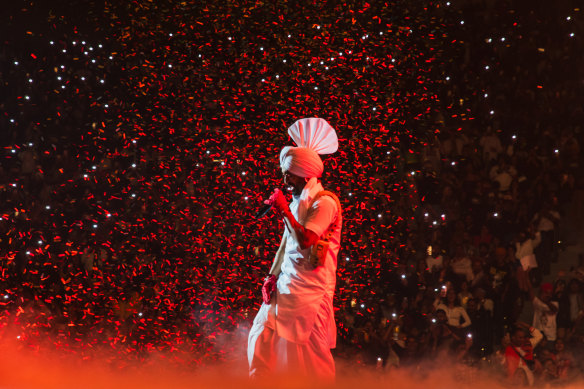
313, 136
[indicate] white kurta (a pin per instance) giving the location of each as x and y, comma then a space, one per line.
301, 311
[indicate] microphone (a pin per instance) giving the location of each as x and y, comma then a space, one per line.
263, 211
267, 204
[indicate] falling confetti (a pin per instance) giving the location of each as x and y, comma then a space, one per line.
143, 141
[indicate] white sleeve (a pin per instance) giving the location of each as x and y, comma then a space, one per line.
540, 305
537, 239
321, 215
537, 336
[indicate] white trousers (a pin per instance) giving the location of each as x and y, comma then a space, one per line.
268, 353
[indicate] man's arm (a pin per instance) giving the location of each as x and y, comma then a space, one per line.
537, 240
536, 336
548, 307
303, 236
319, 217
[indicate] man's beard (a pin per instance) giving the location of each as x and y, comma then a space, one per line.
294, 190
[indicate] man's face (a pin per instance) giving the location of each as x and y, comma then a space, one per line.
546, 295
519, 337
295, 182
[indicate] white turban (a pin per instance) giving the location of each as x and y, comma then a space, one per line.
313, 136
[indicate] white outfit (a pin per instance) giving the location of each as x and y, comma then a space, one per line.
297, 329
544, 319
462, 267
525, 252
454, 315
434, 263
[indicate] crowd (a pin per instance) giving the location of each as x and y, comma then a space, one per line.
133, 165
494, 196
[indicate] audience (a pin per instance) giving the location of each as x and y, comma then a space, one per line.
441, 267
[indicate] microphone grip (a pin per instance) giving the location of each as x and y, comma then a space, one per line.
263, 211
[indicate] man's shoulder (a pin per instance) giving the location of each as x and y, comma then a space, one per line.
324, 211
325, 193
327, 199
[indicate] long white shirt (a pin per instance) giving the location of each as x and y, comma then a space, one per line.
303, 291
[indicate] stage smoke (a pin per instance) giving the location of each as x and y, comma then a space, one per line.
23, 367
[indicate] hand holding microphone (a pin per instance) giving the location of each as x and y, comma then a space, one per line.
276, 200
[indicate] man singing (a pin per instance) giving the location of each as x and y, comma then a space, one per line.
294, 329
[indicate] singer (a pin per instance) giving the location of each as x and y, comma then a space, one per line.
295, 329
